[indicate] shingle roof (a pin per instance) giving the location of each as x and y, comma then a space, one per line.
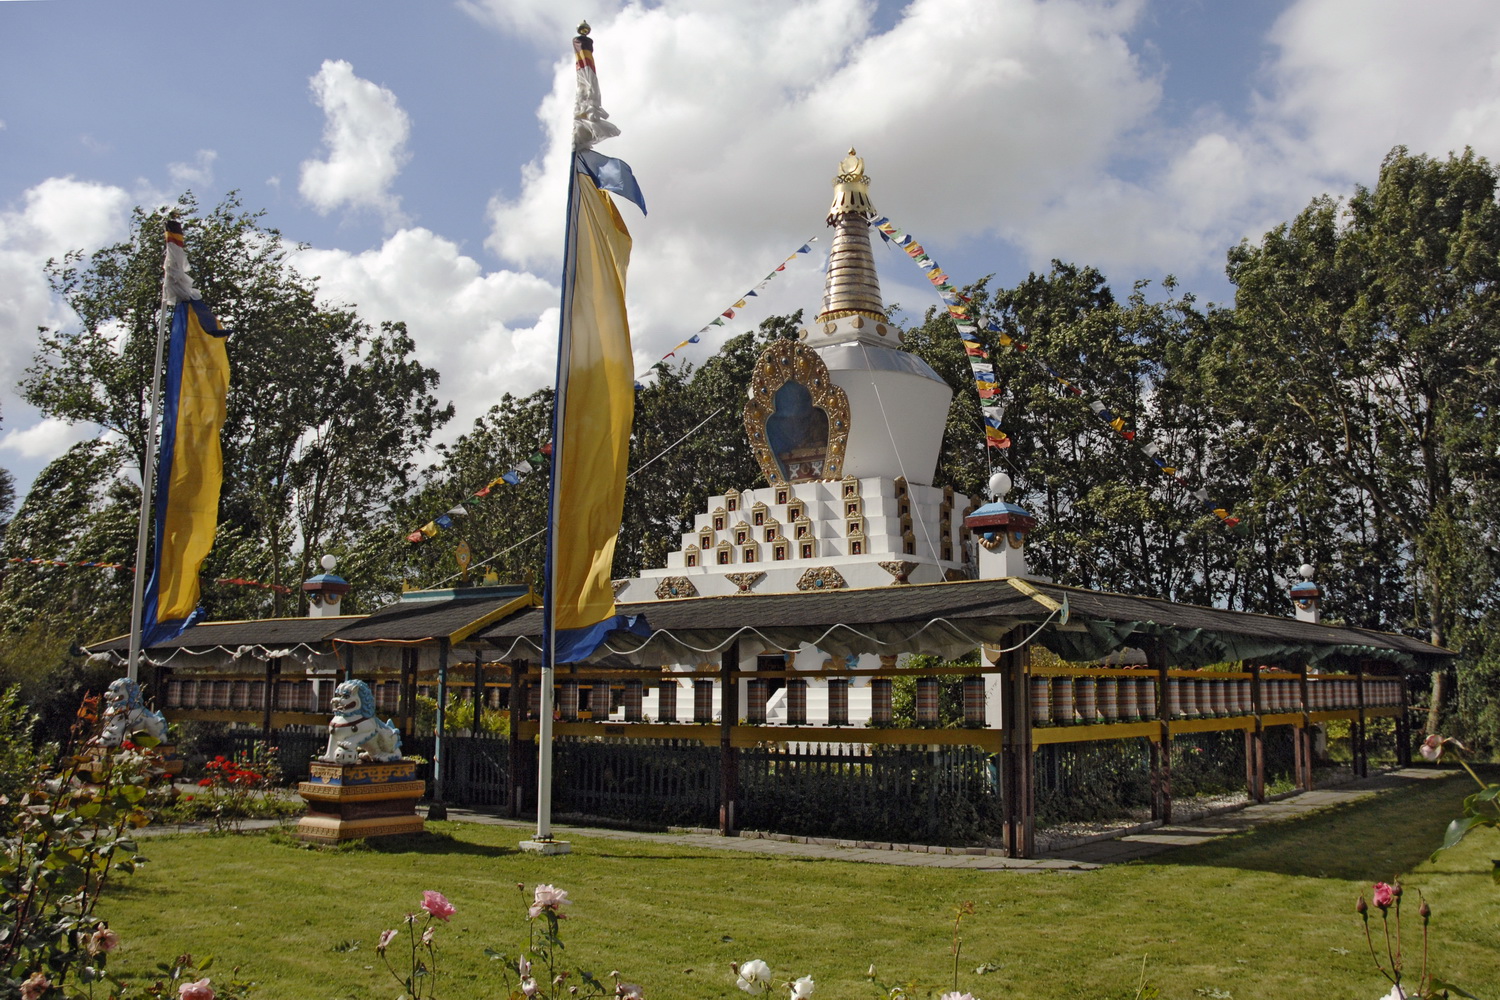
947, 618
258, 632
963, 613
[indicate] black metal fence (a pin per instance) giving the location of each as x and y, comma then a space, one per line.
919, 794
938, 795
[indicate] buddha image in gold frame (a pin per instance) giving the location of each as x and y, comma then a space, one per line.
796, 410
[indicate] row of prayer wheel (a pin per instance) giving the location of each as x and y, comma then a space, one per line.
1088, 699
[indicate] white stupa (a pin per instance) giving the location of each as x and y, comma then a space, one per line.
847, 428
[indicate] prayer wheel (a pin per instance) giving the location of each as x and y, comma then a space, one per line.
1107, 692
634, 691
1062, 701
880, 701
796, 702
1084, 694
703, 701
1129, 711
974, 700
838, 701
1145, 698
755, 707
1041, 702
927, 701
567, 700
666, 700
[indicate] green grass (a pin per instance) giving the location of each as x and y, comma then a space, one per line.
1266, 914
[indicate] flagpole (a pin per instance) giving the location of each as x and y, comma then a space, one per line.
148, 477
554, 512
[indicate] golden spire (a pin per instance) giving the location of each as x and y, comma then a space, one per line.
852, 287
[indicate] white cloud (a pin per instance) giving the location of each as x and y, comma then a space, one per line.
365, 135
56, 216
973, 116
46, 439
539, 22
486, 333
199, 173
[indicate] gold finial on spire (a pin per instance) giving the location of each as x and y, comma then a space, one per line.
583, 28
851, 286
851, 189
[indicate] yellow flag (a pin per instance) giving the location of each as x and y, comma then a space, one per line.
598, 411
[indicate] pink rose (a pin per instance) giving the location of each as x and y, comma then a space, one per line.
1383, 896
103, 940
529, 986
196, 991
386, 937
437, 904
34, 987
1432, 748
548, 897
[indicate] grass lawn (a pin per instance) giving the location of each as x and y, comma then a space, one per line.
1266, 914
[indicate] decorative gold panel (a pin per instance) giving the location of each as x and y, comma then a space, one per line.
789, 361
821, 578
672, 587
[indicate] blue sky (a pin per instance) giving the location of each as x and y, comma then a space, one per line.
417, 148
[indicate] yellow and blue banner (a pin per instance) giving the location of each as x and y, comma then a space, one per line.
190, 469
595, 408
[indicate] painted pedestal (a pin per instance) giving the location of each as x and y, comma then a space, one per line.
353, 801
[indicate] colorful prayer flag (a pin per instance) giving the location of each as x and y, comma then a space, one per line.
190, 465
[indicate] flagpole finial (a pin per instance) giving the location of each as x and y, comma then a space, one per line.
591, 122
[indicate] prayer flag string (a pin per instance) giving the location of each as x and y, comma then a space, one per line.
986, 382
485, 495
730, 312
234, 581
520, 470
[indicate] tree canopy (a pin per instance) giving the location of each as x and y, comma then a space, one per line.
326, 419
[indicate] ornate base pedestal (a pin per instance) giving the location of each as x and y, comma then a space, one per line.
353, 801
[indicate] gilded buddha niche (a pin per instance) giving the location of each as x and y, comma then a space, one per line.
797, 419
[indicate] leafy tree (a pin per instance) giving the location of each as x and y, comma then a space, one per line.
325, 414
7, 500
1363, 348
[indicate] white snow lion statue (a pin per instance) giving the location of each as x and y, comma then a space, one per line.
355, 734
125, 712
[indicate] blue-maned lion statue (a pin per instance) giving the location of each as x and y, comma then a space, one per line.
125, 712
355, 733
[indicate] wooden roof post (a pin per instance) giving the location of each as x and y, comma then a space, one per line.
1360, 747
1155, 649
478, 694
1304, 732
439, 808
517, 705
1255, 739
1017, 757
729, 713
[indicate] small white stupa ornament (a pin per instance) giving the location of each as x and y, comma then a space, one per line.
1305, 595
326, 590
1001, 528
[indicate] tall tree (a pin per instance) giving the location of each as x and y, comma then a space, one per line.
1363, 347
325, 416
